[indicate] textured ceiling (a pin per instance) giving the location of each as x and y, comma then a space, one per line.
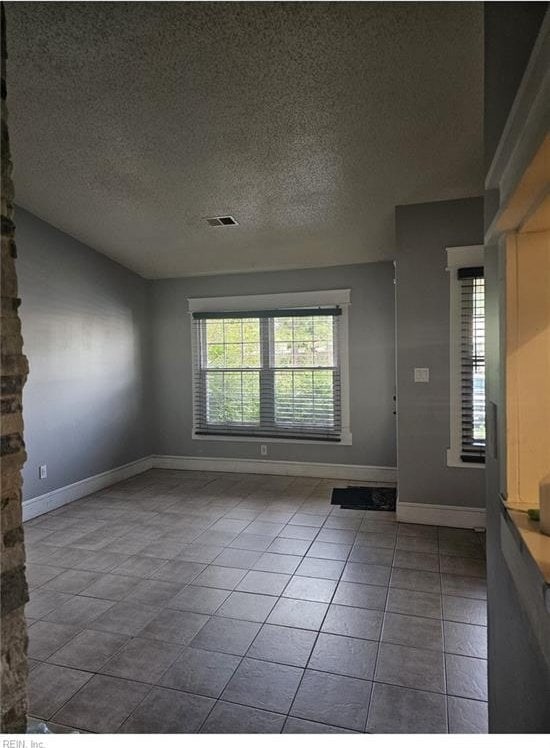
308, 122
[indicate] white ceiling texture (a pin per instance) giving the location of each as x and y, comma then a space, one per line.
307, 122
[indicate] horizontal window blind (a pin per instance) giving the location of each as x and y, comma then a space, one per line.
472, 363
270, 373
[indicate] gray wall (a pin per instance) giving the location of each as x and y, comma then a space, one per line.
96, 334
85, 326
372, 377
519, 676
423, 232
510, 31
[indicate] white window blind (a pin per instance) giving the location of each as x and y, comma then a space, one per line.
472, 363
270, 373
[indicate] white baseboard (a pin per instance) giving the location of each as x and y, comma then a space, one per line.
438, 514
61, 496
278, 467
423, 514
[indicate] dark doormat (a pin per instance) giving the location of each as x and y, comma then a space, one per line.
378, 498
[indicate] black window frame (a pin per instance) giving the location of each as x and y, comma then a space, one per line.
472, 357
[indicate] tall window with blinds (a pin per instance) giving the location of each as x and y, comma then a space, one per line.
271, 373
472, 363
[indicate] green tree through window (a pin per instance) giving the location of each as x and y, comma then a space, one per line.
273, 375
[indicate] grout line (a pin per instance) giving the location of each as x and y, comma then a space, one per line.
382, 630
266, 502
317, 639
445, 684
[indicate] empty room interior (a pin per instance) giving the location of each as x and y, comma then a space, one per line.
275, 368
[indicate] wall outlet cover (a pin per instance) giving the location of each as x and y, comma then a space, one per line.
263, 450
421, 375
42, 472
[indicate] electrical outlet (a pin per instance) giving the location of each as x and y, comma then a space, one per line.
263, 450
421, 375
42, 472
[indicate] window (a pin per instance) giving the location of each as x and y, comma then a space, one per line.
465, 265
268, 373
472, 369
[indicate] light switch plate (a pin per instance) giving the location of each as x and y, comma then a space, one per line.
421, 375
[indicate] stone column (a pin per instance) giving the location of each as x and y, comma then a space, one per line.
14, 368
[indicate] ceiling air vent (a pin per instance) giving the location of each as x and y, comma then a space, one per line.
221, 221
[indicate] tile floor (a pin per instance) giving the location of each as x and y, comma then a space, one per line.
224, 603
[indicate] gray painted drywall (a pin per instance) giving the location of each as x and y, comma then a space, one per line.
372, 363
510, 31
423, 231
85, 323
519, 675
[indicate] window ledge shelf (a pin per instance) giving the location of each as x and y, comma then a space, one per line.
534, 547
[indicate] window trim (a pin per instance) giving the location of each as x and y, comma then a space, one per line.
458, 257
260, 302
